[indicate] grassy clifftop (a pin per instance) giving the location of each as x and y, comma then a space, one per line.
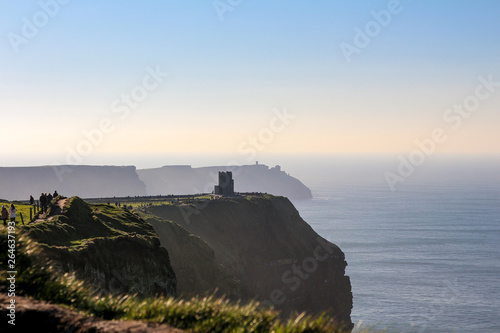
110, 247
80, 258
79, 221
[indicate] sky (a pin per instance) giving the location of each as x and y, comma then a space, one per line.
163, 82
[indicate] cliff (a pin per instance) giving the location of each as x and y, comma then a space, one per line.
263, 243
194, 261
110, 248
246, 248
247, 178
18, 183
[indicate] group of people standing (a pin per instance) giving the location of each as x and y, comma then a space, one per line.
5, 214
45, 200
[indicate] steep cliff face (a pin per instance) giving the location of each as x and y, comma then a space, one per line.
193, 261
84, 181
263, 242
109, 247
247, 178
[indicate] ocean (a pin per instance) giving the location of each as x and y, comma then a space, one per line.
422, 258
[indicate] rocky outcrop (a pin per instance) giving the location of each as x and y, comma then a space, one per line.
108, 247
247, 178
18, 183
262, 241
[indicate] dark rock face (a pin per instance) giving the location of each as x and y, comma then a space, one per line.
193, 260
247, 178
84, 181
277, 258
128, 264
108, 247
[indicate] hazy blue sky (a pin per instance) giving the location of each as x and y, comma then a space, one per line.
233, 66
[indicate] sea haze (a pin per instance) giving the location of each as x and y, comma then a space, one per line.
422, 258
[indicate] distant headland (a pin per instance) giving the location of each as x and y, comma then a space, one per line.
115, 181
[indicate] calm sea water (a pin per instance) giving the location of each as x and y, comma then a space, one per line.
425, 258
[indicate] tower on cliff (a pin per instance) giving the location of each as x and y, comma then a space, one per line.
226, 183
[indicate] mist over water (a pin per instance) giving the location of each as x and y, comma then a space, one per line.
422, 258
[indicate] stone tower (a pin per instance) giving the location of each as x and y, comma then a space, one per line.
226, 183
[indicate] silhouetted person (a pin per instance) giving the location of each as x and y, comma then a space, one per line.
46, 202
32, 200
55, 194
43, 202
5, 215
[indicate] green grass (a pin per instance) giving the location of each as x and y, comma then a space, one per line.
183, 200
164, 202
20, 209
85, 222
37, 278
